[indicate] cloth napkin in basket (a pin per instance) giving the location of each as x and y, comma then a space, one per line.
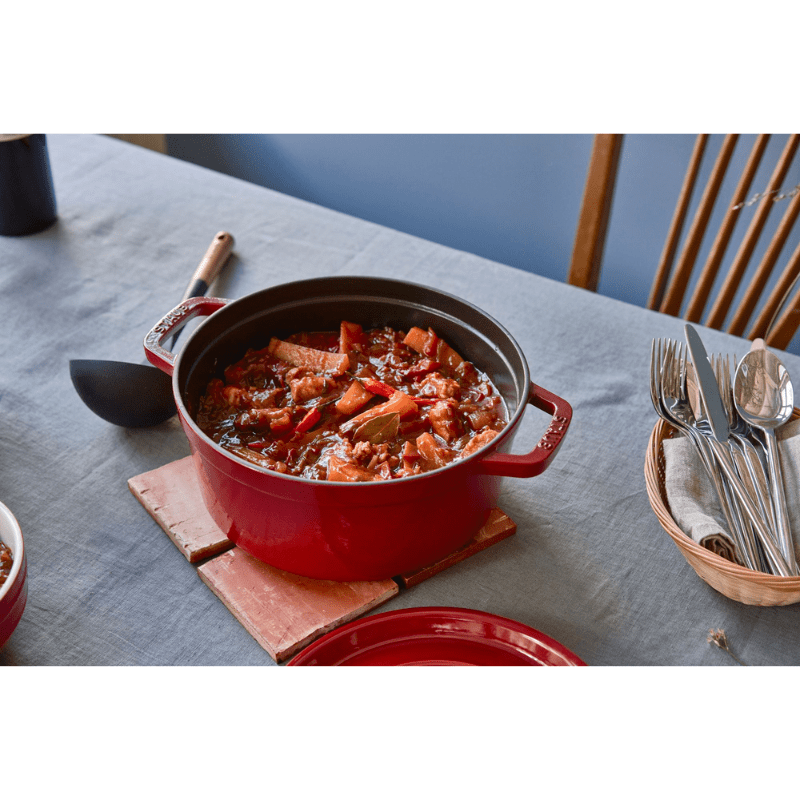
693, 500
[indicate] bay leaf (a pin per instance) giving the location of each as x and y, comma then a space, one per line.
378, 429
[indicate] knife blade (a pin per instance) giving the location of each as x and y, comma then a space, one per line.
709, 388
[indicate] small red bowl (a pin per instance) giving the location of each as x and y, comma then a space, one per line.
14, 592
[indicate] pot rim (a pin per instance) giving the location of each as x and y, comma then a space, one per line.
459, 464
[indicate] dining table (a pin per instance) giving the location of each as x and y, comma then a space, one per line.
588, 565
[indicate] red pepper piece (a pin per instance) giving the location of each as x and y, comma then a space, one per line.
311, 418
378, 387
399, 403
431, 344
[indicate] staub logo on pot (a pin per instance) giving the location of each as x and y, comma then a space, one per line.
555, 433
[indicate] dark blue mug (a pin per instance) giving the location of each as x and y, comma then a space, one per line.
27, 198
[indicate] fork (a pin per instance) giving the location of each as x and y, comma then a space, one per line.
664, 394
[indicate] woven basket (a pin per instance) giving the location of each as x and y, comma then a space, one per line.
734, 581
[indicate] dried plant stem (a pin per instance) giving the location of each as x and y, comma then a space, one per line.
761, 195
719, 638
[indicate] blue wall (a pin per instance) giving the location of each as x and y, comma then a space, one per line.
511, 198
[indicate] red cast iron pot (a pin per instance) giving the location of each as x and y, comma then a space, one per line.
350, 531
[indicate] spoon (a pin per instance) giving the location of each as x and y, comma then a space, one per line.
764, 398
139, 395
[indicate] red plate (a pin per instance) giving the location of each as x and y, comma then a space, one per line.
435, 636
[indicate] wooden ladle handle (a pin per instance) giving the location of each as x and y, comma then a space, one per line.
211, 265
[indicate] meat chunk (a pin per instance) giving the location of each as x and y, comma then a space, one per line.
436, 385
445, 421
432, 452
238, 397
341, 470
362, 452
483, 414
477, 442
307, 387
341, 449
421, 368
264, 398
278, 420
380, 455
410, 461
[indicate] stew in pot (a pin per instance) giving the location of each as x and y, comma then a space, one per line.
5, 562
353, 405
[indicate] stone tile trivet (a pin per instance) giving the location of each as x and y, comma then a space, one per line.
497, 528
172, 497
285, 612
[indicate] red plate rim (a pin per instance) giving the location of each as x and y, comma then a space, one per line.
435, 636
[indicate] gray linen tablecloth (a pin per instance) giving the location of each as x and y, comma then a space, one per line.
589, 565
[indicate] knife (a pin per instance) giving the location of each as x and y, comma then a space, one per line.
709, 388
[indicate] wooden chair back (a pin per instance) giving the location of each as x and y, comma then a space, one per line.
673, 275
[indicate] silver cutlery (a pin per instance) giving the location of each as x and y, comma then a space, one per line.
744, 508
719, 437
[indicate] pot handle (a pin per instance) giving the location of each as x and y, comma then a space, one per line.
154, 349
538, 460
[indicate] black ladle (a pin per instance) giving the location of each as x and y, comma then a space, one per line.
138, 395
